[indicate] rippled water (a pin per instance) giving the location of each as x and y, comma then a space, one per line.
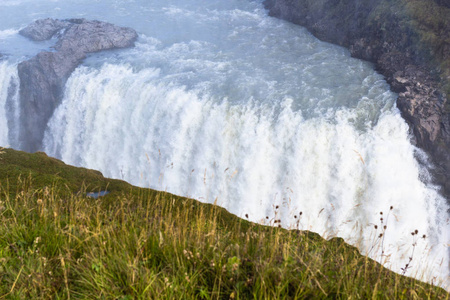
219, 102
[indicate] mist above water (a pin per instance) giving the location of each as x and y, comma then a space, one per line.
219, 102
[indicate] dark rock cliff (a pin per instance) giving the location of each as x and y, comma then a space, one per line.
42, 78
409, 43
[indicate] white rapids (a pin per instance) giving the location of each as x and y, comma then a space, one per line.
224, 104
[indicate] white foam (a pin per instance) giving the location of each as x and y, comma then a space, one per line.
7, 33
8, 77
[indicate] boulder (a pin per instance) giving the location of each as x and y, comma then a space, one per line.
44, 29
42, 78
94, 36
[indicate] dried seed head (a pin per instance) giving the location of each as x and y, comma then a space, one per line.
276, 207
392, 207
301, 213
416, 231
412, 233
380, 235
295, 217
385, 227
424, 236
267, 217
246, 215
376, 227
279, 226
381, 212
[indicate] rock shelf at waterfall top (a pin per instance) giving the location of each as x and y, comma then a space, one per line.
42, 78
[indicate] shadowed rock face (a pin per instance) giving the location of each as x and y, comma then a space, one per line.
380, 32
445, 3
42, 78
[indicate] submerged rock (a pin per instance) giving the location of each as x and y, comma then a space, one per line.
42, 78
408, 46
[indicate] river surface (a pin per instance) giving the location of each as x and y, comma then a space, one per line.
224, 104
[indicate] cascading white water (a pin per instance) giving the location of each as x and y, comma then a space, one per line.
8, 91
219, 102
4, 83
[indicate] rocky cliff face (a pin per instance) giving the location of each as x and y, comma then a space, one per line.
42, 78
409, 42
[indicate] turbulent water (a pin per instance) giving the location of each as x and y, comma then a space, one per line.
219, 102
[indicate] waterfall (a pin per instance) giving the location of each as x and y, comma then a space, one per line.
223, 104
9, 93
340, 169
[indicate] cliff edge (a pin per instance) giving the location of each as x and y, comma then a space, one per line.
409, 43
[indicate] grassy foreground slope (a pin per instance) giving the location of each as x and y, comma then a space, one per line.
137, 243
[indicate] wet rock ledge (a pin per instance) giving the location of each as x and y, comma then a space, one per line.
42, 78
409, 43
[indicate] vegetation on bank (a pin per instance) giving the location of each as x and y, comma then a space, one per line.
433, 23
137, 243
429, 26
418, 29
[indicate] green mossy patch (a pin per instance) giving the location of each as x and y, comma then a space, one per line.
426, 23
17, 167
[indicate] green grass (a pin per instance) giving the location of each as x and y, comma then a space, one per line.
432, 22
137, 243
428, 25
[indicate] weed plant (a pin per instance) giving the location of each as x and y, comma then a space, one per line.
56, 243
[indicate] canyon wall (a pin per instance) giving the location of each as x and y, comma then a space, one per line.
409, 43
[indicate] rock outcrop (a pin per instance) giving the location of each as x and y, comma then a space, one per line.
44, 29
407, 45
42, 78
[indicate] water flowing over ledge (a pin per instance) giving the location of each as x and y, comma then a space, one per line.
230, 106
